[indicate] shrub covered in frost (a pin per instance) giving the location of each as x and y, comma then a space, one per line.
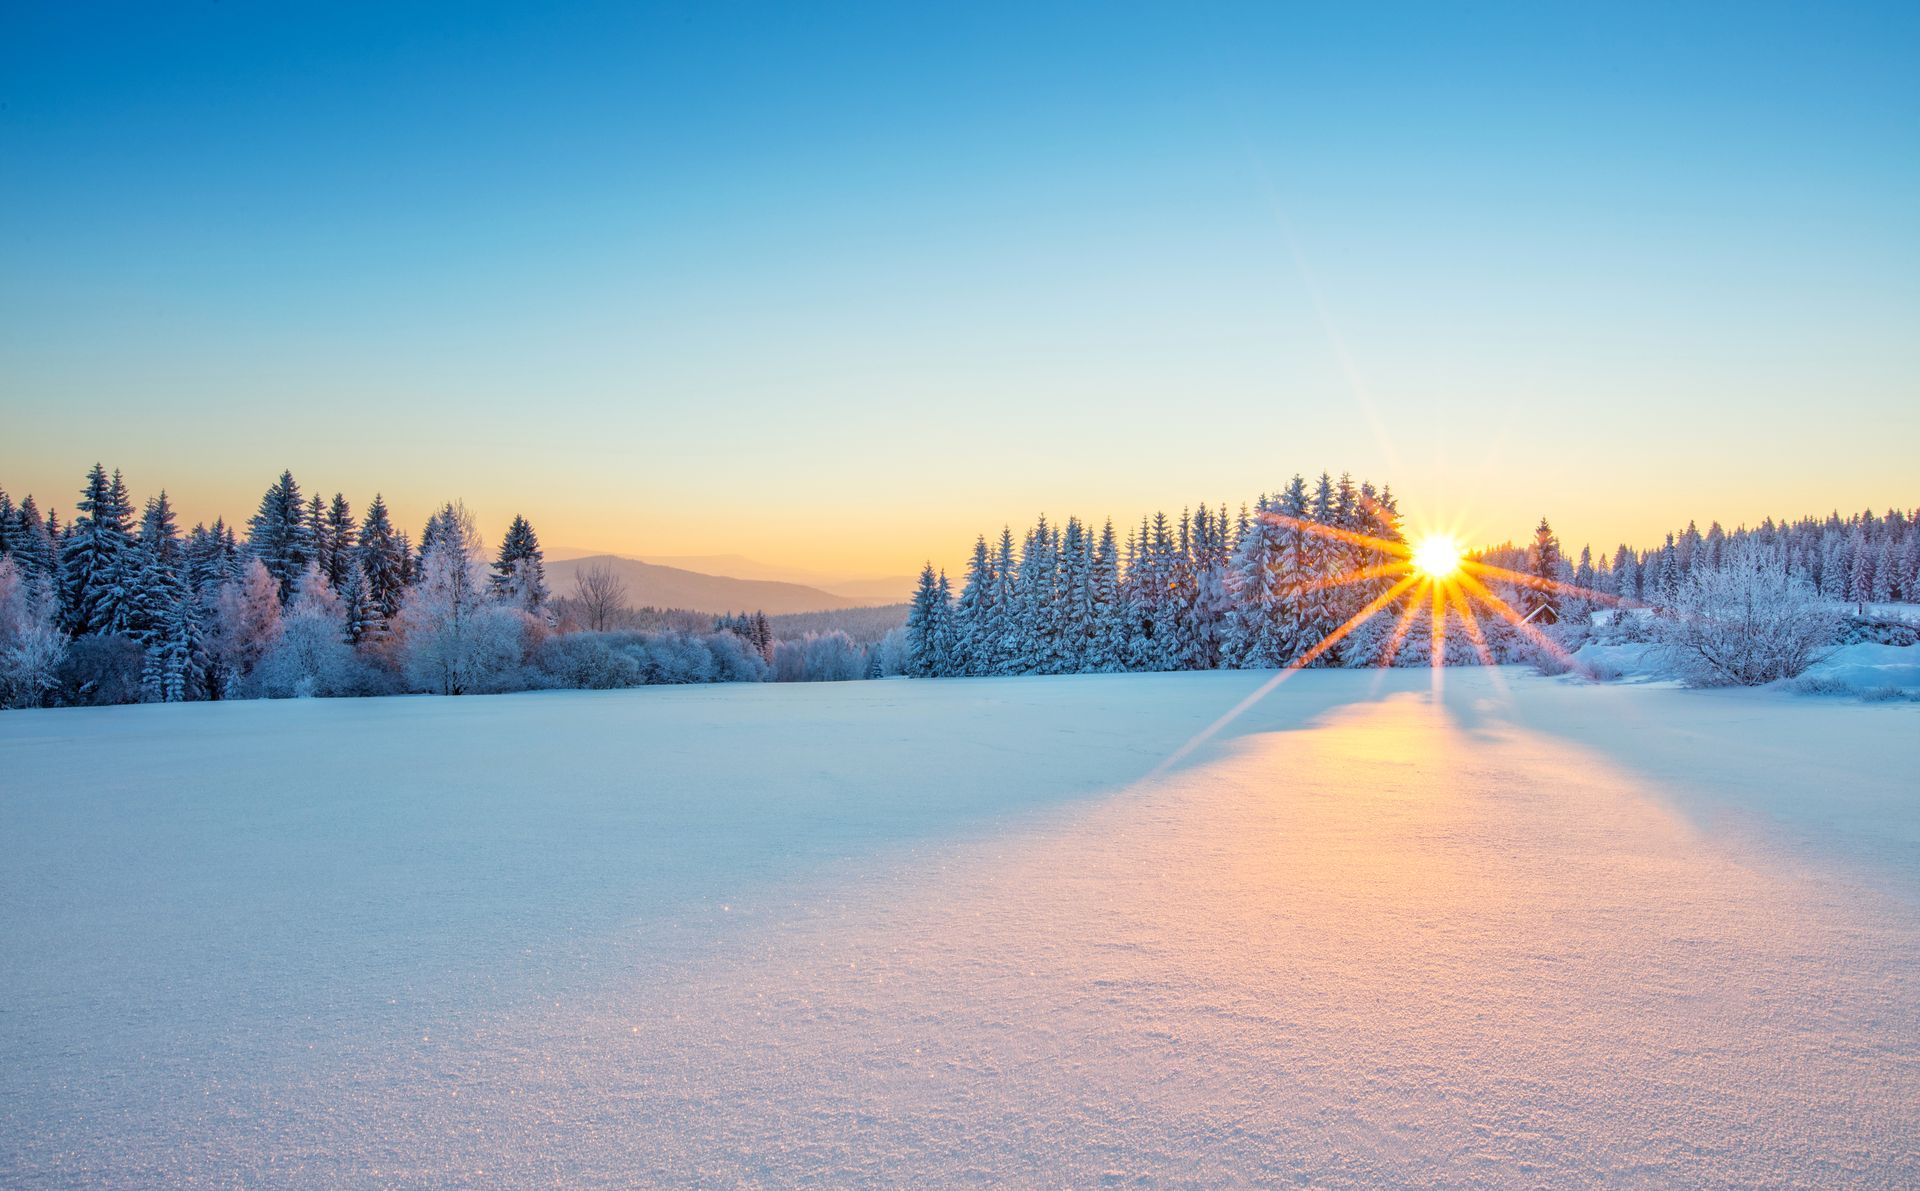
1748, 622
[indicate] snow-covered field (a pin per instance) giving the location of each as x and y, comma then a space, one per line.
1522, 931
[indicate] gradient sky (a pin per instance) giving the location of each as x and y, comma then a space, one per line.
839, 287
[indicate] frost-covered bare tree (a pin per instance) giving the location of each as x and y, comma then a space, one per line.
1748, 622
31, 644
246, 623
454, 640
600, 595
311, 656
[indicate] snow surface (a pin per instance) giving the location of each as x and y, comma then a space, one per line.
1869, 667
1519, 932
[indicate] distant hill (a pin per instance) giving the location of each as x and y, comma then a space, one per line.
869, 590
650, 584
864, 590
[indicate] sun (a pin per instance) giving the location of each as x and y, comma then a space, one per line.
1437, 556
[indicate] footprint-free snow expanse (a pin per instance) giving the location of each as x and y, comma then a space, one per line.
1522, 932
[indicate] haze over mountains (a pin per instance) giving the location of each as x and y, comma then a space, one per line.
720, 583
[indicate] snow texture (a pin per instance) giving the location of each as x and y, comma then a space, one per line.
1519, 931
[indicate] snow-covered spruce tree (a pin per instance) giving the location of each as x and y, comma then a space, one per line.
453, 640
1073, 600
973, 613
1543, 563
1296, 563
1375, 517
1667, 575
946, 658
356, 609
91, 556
1860, 582
519, 577
1255, 631
246, 623
1036, 637
210, 558
154, 575
1326, 560
318, 535
1002, 631
1149, 597
279, 535
341, 549
924, 618
176, 663
1108, 652
383, 560
1746, 623
31, 644
1208, 601
34, 550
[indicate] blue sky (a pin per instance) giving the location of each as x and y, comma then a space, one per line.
843, 285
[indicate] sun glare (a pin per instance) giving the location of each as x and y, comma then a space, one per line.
1437, 557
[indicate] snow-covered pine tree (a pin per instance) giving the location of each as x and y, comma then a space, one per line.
1073, 600
1860, 573
973, 613
1108, 652
1666, 576
279, 534
1373, 518
1543, 563
91, 556
383, 560
1328, 560
946, 644
341, 550
519, 573
156, 577
1295, 567
1883, 587
1254, 635
1035, 634
1208, 600
1003, 629
35, 551
317, 533
924, 616
356, 605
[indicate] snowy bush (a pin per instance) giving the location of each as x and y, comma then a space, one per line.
888, 659
819, 657
587, 662
736, 660
606, 661
675, 658
1748, 622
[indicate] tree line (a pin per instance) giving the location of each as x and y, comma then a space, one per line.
1306, 577
118, 605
